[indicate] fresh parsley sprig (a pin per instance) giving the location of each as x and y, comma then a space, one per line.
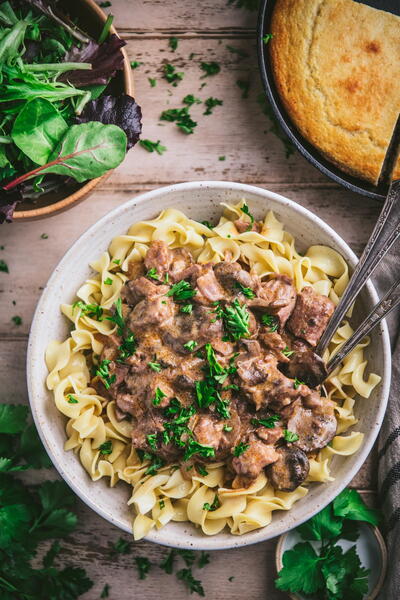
323, 569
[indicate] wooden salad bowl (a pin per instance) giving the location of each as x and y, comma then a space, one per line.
90, 18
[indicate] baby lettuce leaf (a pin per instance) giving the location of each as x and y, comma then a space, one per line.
87, 151
37, 130
106, 59
11, 43
57, 17
111, 110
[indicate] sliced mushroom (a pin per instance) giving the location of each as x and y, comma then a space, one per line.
289, 470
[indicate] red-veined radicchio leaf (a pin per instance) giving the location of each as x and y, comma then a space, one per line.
106, 59
115, 110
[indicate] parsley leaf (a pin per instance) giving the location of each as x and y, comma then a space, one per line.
181, 117
193, 585
118, 318
122, 546
211, 507
245, 209
152, 274
172, 75
105, 591
240, 449
204, 559
323, 526
181, 290
158, 396
187, 308
244, 86
3, 266
106, 447
143, 566
103, 372
290, 436
190, 345
269, 422
267, 37
153, 146
297, 383
236, 320
155, 366
13, 418
287, 352
191, 99
350, 505
211, 103
173, 43
270, 321
210, 68
194, 447
16, 320
168, 563
301, 570
246, 291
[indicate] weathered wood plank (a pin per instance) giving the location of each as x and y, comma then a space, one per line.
32, 259
237, 130
180, 15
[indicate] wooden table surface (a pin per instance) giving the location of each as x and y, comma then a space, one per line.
237, 130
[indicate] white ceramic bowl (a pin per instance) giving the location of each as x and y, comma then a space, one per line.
200, 200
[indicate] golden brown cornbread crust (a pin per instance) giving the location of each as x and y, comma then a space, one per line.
336, 64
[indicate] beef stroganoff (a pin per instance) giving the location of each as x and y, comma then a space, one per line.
177, 378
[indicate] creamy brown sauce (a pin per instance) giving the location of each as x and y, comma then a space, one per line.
199, 368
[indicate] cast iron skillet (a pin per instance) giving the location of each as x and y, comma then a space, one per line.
308, 150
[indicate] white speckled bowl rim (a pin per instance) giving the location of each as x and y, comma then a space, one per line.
200, 200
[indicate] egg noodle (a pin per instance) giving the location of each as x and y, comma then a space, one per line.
167, 495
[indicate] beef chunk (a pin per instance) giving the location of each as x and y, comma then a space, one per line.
280, 294
315, 428
158, 257
208, 285
270, 435
306, 366
157, 310
257, 456
181, 259
208, 431
311, 315
231, 277
289, 470
243, 226
140, 288
197, 326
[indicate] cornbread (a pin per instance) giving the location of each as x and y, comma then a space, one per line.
336, 65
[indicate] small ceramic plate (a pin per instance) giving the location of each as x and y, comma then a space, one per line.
370, 548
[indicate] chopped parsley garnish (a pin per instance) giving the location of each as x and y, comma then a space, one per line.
271, 322
44, 236
290, 436
297, 383
245, 209
108, 281
121, 546
106, 448
246, 291
236, 319
155, 366
173, 407
105, 4
173, 43
201, 470
190, 345
157, 463
244, 86
267, 37
166, 278
181, 117
221, 158
231, 578
127, 348
152, 440
159, 395
168, 563
204, 559
194, 447
193, 585
104, 374
240, 449
135, 64
143, 566
207, 224
187, 308
269, 422
228, 427
181, 291
215, 504
153, 146
94, 311
16, 320
191, 99
72, 399
117, 261
211, 103
105, 593
152, 274
3, 266
287, 352
161, 504
172, 75
210, 68
117, 317
152, 82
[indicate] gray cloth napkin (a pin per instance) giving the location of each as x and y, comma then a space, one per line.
389, 442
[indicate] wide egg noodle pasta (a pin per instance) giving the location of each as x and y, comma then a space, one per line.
167, 495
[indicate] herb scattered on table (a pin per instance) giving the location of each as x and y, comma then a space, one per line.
121, 546
210, 68
143, 566
172, 75
153, 146
173, 43
44, 236
244, 86
135, 64
16, 320
105, 593
250, 5
181, 117
191, 99
241, 53
3, 266
153, 82
211, 103
324, 568
221, 158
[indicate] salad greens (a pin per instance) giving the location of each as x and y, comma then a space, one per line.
57, 123
322, 569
